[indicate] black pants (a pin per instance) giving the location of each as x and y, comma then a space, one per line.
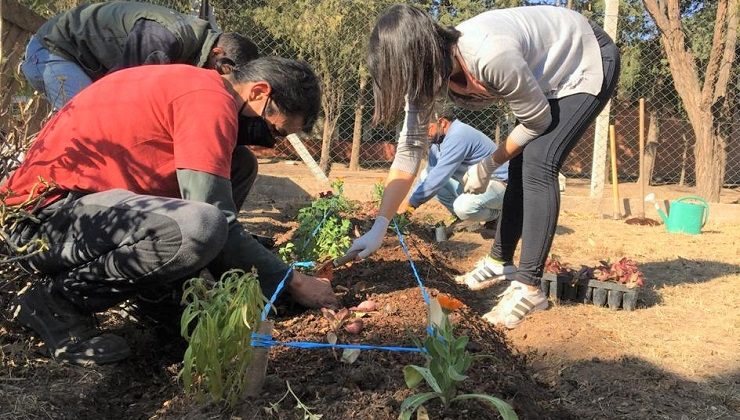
109, 246
532, 200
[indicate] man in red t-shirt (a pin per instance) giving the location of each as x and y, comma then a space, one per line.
147, 183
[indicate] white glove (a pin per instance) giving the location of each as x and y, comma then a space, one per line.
370, 241
478, 176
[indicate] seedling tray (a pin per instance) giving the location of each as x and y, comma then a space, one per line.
599, 293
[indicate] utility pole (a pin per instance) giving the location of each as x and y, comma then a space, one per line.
601, 136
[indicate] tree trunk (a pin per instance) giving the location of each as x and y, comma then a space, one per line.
651, 146
699, 98
354, 160
711, 159
330, 123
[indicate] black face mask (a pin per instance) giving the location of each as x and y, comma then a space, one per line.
254, 131
438, 139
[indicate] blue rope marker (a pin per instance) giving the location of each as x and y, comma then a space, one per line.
262, 340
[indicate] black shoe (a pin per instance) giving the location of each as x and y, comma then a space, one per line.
491, 225
460, 225
488, 231
160, 308
265, 241
69, 334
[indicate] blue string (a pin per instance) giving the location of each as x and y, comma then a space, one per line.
424, 293
262, 340
315, 230
281, 286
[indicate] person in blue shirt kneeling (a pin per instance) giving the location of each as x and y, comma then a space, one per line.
454, 148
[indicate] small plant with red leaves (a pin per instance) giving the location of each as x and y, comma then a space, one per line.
625, 271
349, 320
336, 319
554, 265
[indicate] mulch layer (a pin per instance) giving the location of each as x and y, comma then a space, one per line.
146, 386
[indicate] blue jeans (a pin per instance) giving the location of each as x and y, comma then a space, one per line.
56, 77
475, 207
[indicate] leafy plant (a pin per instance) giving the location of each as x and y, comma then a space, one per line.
274, 408
350, 320
336, 319
403, 221
219, 343
378, 190
11, 216
553, 265
446, 365
625, 271
322, 232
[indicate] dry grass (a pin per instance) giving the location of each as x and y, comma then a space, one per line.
690, 320
678, 353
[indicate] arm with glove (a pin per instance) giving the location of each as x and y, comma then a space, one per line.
409, 152
478, 176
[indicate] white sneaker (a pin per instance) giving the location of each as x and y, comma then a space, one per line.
515, 304
487, 272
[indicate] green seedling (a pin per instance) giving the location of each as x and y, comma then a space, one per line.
446, 366
378, 190
322, 231
217, 323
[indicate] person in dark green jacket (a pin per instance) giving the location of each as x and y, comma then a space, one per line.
79, 46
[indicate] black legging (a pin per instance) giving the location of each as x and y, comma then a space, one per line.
532, 200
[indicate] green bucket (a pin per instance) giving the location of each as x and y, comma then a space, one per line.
687, 215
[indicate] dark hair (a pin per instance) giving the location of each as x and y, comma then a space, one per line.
408, 54
295, 86
238, 48
445, 109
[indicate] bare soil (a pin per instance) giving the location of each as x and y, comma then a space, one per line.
674, 358
372, 387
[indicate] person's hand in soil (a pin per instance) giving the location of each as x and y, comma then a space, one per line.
312, 292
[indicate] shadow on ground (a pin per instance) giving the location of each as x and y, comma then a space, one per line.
632, 388
273, 189
661, 274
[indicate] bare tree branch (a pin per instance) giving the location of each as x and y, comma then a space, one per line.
719, 40
728, 58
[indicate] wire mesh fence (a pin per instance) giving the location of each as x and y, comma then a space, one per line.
668, 135
332, 34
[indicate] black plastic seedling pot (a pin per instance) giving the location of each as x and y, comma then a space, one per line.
599, 293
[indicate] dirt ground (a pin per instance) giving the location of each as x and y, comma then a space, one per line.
675, 357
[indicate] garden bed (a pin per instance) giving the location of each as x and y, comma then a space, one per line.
372, 387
